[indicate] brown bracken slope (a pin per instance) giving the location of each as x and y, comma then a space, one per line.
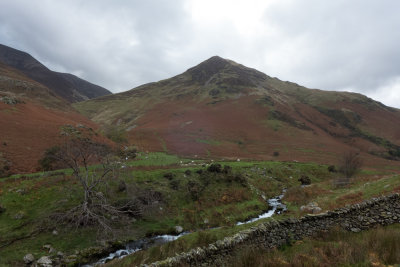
222, 109
30, 119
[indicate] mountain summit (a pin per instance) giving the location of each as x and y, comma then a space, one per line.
221, 108
217, 70
67, 86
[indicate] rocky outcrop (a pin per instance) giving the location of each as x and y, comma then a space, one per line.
368, 214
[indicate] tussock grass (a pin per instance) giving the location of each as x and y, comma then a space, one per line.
376, 247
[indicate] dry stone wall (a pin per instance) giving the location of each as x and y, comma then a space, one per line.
355, 218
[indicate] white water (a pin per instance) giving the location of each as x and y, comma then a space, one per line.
136, 246
133, 247
274, 203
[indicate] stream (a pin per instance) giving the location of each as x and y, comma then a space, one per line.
134, 246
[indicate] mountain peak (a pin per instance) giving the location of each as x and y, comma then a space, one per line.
207, 69
218, 69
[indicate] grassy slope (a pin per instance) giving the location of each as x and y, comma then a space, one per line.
366, 185
36, 196
221, 203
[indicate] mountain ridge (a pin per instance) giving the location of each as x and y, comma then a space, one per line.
65, 85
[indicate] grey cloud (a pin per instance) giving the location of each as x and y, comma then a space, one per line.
116, 46
347, 44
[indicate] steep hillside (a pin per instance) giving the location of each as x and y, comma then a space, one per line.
222, 109
30, 119
65, 85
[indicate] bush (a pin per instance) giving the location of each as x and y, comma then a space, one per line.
122, 186
215, 167
49, 161
239, 178
305, 180
194, 189
169, 175
4, 166
227, 169
350, 163
2, 209
332, 168
174, 184
128, 152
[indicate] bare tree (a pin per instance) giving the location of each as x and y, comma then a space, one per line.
79, 152
350, 163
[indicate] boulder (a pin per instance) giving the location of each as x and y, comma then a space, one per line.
316, 210
29, 258
123, 253
311, 207
178, 229
280, 208
45, 262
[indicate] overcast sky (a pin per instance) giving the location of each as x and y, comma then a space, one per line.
351, 45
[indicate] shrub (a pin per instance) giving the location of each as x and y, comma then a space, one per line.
49, 160
350, 163
174, 184
227, 169
4, 166
332, 168
128, 152
2, 209
194, 189
215, 167
169, 175
305, 180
